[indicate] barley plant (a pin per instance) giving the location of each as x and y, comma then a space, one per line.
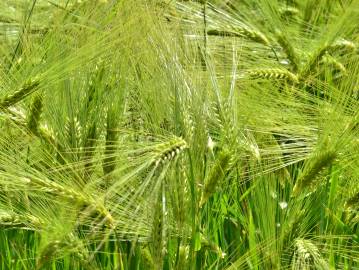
163, 134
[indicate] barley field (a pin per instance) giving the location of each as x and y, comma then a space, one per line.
175, 135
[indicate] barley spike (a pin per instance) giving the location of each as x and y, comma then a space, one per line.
35, 114
273, 73
216, 175
289, 50
19, 95
316, 165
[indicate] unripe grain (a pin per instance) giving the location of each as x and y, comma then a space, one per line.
316, 165
109, 165
216, 175
240, 32
35, 114
353, 201
20, 94
289, 50
273, 73
168, 151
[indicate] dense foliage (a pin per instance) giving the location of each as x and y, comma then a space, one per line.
156, 134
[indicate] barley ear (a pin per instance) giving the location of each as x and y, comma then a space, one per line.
56, 248
313, 61
35, 114
206, 244
241, 32
48, 253
146, 259
109, 165
20, 94
10, 220
307, 255
353, 201
289, 11
313, 167
216, 175
183, 255
256, 36
273, 73
343, 44
289, 50
90, 142
330, 60
159, 233
166, 152
188, 125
